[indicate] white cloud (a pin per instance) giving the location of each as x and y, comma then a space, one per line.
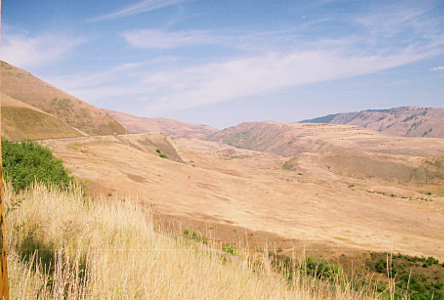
153, 38
137, 8
162, 90
268, 73
440, 68
33, 52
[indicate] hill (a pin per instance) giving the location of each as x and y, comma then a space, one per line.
165, 126
406, 121
21, 121
328, 199
28, 89
350, 150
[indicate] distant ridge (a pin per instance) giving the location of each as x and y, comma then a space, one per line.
75, 117
165, 126
408, 121
325, 119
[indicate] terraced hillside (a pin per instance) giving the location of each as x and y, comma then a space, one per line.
407, 121
344, 149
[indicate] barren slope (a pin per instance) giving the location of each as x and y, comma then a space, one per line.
163, 125
23, 86
20, 121
345, 149
307, 205
402, 121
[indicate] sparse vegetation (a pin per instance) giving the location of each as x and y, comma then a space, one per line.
163, 155
191, 235
63, 247
231, 250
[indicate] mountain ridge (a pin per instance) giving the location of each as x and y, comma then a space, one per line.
407, 121
165, 126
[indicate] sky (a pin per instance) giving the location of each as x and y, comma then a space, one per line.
223, 62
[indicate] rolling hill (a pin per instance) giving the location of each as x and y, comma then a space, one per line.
76, 114
406, 121
329, 189
21, 121
346, 149
341, 200
165, 126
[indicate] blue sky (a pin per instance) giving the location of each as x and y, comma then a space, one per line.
226, 61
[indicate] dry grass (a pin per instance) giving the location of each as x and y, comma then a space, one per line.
62, 246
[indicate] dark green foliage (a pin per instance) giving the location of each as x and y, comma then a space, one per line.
322, 269
28, 162
381, 267
431, 261
158, 151
313, 267
414, 276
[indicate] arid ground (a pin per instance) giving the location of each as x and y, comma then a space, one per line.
336, 199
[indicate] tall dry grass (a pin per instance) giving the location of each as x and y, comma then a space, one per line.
63, 246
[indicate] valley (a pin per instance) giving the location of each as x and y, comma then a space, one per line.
322, 203
334, 188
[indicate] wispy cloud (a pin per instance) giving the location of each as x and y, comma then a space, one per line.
268, 73
182, 88
248, 41
159, 39
333, 47
33, 52
137, 8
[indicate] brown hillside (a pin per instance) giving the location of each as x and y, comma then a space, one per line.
20, 121
286, 202
292, 139
345, 149
23, 86
163, 125
406, 121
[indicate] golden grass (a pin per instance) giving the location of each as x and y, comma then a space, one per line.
61, 245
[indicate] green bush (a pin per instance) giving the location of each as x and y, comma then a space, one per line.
28, 162
231, 250
192, 235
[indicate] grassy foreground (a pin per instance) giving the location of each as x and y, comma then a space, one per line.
63, 246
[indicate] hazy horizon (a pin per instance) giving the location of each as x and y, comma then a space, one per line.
221, 63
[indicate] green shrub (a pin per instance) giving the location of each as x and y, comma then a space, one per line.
192, 235
163, 155
231, 250
322, 269
28, 162
381, 267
